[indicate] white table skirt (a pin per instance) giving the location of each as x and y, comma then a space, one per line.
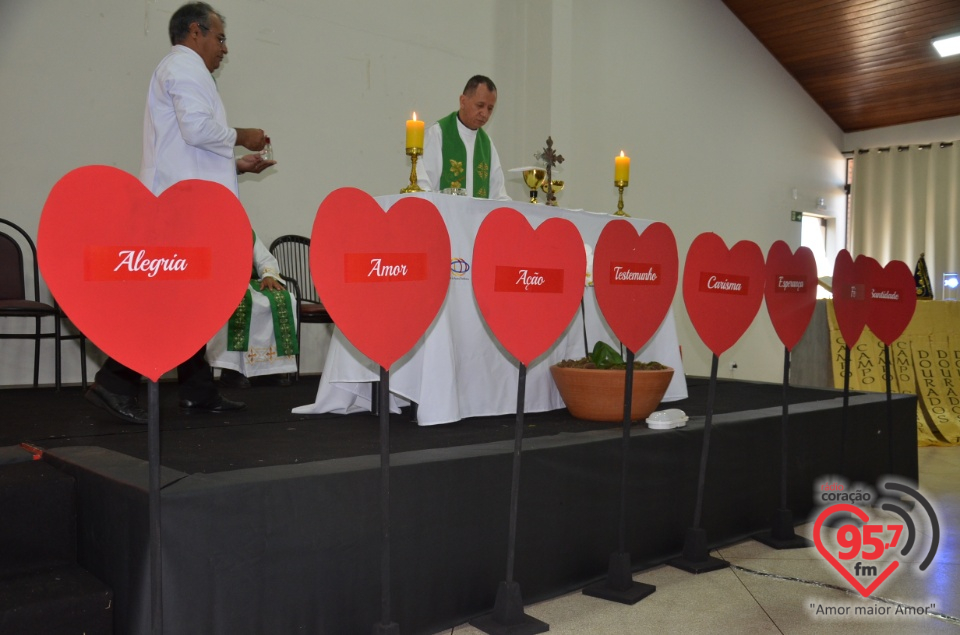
458, 369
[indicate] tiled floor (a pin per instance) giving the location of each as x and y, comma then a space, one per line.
770, 591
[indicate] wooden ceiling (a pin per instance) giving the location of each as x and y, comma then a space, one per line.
867, 63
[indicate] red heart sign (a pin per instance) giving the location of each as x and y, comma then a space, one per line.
791, 291
528, 283
850, 295
635, 279
148, 279
381, 275
866, 548
722, 289
893, 300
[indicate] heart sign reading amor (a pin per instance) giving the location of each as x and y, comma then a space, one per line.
893, 300
791, 291
722, 289
528, 283
382, 275
147, 279
635, 278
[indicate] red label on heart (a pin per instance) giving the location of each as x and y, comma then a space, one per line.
721, 282
790, 291
147, 279
852, 538
893, 300
382, 275
385, 267
641, 280
527, 323
850, 301
528, 280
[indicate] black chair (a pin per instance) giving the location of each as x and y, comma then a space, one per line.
14, 302
293, 254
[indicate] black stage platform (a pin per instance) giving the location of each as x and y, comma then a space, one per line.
271, 520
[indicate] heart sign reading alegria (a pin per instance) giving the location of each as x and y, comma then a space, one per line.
382, 275
892, 293
722, 289
790, 291
528, 282
635, 279
850, 303
147, 279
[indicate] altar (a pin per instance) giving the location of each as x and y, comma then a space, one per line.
458, 369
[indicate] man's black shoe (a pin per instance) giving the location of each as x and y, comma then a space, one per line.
217, 404
233, 379
120, 406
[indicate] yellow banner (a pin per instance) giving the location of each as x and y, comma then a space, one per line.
925, 361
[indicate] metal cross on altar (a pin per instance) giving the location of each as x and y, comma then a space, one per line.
550, 158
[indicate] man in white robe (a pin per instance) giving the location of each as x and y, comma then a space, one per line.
476, 107
261, 354
185, 136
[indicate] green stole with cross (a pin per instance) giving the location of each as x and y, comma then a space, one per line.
455, 156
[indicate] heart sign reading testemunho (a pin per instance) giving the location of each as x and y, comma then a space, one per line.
528, 282
635, 279
893, 300
382, 275
722, 289
791, 291
850, 301
147, 279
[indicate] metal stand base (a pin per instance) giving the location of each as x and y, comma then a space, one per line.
781, 534
696, 558
619, 585
508, 617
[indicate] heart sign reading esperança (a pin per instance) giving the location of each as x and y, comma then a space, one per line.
791, 291
147, 279
382, 275
722, 289
892, 300
635, 279
528, 282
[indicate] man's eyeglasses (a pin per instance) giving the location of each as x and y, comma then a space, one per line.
222, 39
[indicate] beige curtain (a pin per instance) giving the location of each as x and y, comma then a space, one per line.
906, 201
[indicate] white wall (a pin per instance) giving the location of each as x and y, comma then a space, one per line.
719, 134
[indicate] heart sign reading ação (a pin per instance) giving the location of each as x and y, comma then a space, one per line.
850, 301
635, 278
147, 279
382, 275
528, 282
790, 291
722, 289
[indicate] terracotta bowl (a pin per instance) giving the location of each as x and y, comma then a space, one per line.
597, 395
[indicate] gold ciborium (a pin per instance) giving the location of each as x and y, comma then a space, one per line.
413, 153
557, 187
533, 177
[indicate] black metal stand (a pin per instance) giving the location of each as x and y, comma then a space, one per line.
886, 361
619, 585
696, 557
840, 519
781, 534
153, 460
385, 626
508, 617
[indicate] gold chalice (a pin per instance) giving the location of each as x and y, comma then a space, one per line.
557, 186
533, 177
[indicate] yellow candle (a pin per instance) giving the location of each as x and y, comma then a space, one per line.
414, 133
621, 167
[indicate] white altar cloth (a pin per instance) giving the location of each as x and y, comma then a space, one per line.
458, 369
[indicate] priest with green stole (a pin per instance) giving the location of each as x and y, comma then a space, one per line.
458, 153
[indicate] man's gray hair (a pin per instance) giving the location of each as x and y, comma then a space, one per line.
186, 15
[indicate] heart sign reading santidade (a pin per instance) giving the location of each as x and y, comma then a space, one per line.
790, 291
850, 303
528, 283
147, 279
382, 275
722, 289
892, 299
635, 278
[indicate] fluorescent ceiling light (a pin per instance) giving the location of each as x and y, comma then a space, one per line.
947, 46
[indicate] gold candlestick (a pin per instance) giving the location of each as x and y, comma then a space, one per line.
413, 153
620, 185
